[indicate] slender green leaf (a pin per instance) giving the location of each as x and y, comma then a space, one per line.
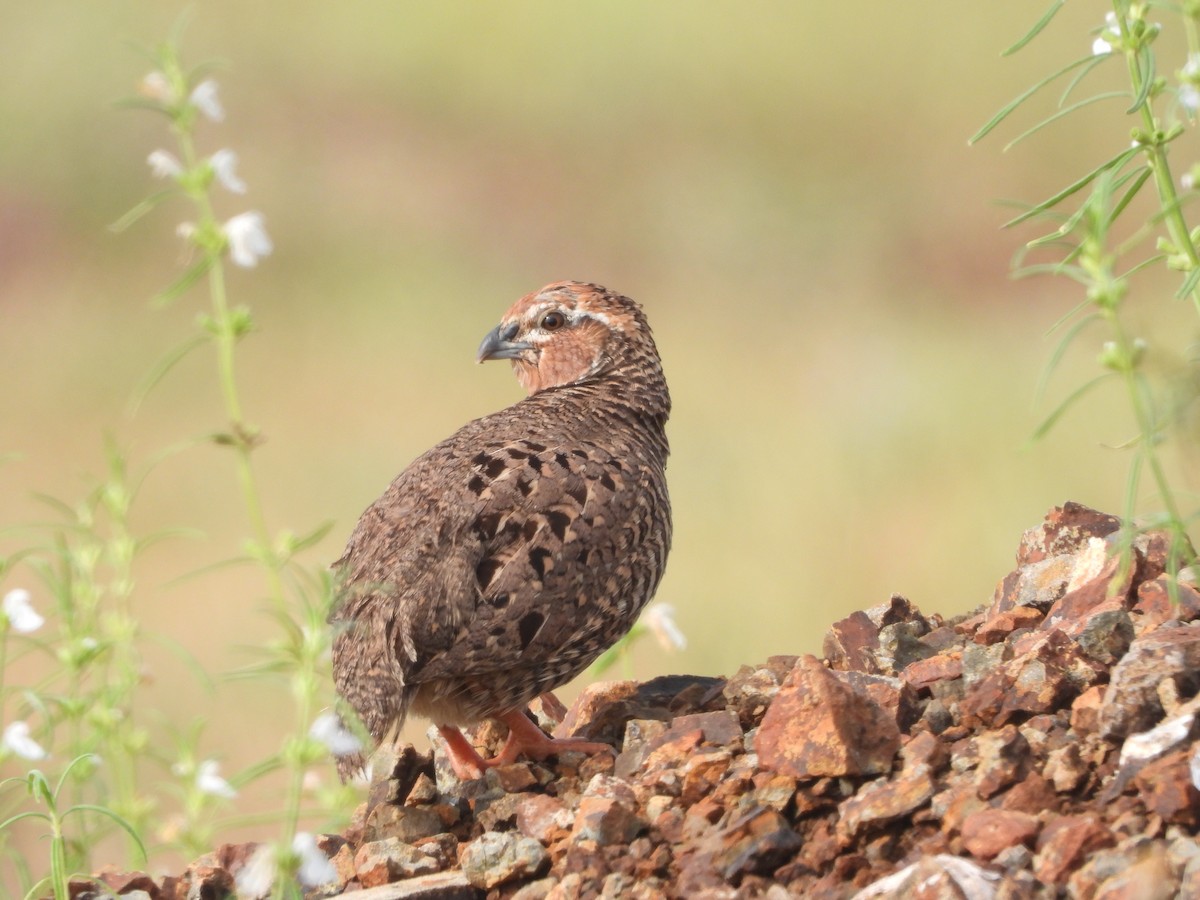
1114, 163
1036, 29
1066, 111
175, 34
1077, 79
1142, 175
167, 534
62, 779
1119, 181
142, 50
313, 537
39, 787
57, 505
257, 670
1008, 108
1133, 484
1072, 272
208, 569
30, 814
1147, 74
187, 658
38, 888
185, 281
119, 820
1165, 209
1145, 263
1059, 351
1043, 429
1061, 232
1067, 316
1072, 256
160, 370
1189, 284
141, 103
253, 773
140, 210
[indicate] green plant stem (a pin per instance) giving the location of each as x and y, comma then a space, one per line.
296, 768
1148, 429
121, 659
58, 860
243, 445
1156, 157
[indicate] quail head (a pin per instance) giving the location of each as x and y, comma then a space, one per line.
504, 560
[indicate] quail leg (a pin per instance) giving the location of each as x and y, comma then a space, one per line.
464, 759
526, 738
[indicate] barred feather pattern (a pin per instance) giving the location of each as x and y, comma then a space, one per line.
505, 559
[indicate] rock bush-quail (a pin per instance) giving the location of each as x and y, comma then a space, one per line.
504, 560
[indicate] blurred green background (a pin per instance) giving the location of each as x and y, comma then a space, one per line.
786, 187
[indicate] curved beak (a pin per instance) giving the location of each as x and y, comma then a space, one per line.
499, 344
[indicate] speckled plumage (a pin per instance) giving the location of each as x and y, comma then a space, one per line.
505, 559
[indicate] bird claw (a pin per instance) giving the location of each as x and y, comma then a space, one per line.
524, 739
464, 759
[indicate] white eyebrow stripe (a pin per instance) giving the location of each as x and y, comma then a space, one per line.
600, 317
574, 316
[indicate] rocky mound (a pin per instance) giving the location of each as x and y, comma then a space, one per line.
1044, 746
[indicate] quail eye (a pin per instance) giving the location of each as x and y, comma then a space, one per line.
552, 321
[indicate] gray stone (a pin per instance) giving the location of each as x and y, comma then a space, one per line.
1106, 636
500, 857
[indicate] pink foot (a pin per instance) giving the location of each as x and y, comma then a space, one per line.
526, 738
464, 759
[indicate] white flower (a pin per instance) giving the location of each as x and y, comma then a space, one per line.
1112, 31
209, 780
17, 741
248, 240
163, 164
1189, 96
660, 619
185, 230
257, 876
329, 730
315, 867
20, 613
223, 163
204, 98
1187, 181
156, 87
